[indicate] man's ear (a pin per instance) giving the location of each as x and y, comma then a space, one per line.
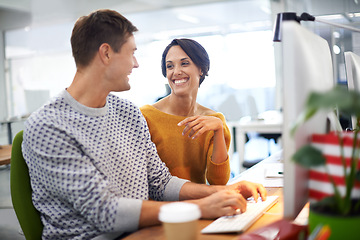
105, 52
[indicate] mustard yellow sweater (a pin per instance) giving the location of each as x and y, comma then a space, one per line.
185, 157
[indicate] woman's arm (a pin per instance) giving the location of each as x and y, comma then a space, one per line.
218, 166
197, 125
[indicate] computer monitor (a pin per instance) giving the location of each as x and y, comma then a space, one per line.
352, 66
306, 67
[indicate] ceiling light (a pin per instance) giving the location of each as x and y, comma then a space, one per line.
330, 17
336, 34
356, 14
336, 49
187, 18
265, 9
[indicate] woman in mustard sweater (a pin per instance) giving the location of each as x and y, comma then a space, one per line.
191, 139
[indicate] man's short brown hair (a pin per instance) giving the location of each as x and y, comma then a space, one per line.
101, 26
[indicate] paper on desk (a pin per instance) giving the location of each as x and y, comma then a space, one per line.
265, 174
274, 175
275, 170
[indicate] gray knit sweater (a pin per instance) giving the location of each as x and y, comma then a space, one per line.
91, 168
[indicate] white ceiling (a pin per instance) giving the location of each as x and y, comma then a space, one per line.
150, 16
55, 11
153, 16
45, 11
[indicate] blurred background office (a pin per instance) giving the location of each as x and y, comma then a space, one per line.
243, 83
36, 61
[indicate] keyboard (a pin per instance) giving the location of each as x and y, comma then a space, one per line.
241, 222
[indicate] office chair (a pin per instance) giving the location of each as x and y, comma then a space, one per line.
27, 215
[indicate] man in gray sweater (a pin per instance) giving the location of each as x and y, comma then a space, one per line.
92, 164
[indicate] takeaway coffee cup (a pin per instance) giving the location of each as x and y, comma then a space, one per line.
180, 220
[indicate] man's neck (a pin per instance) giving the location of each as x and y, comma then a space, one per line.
86, 89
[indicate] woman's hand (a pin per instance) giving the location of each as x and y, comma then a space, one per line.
197, 125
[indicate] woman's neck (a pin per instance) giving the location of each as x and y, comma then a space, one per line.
179, 106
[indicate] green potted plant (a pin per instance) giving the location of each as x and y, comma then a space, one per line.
338, 210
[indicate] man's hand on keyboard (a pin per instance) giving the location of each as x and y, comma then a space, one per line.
219, 200
222, 203
249, 189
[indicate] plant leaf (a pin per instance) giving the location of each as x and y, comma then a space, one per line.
357, 177
346, 101
308, 113
309, 156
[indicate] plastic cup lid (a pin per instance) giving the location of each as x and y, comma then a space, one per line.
179, 212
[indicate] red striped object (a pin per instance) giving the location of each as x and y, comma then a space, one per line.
319, 181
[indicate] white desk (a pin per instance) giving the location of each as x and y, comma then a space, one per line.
262, 172
265, 125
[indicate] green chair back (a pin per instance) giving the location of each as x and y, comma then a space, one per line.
27, 215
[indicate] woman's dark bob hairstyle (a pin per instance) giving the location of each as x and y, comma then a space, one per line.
194, 50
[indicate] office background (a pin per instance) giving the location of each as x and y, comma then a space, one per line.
36, 60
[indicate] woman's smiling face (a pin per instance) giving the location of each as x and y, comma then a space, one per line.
183, 75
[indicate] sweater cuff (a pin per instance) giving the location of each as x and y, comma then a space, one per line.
172, 190
219, 172
127, 215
